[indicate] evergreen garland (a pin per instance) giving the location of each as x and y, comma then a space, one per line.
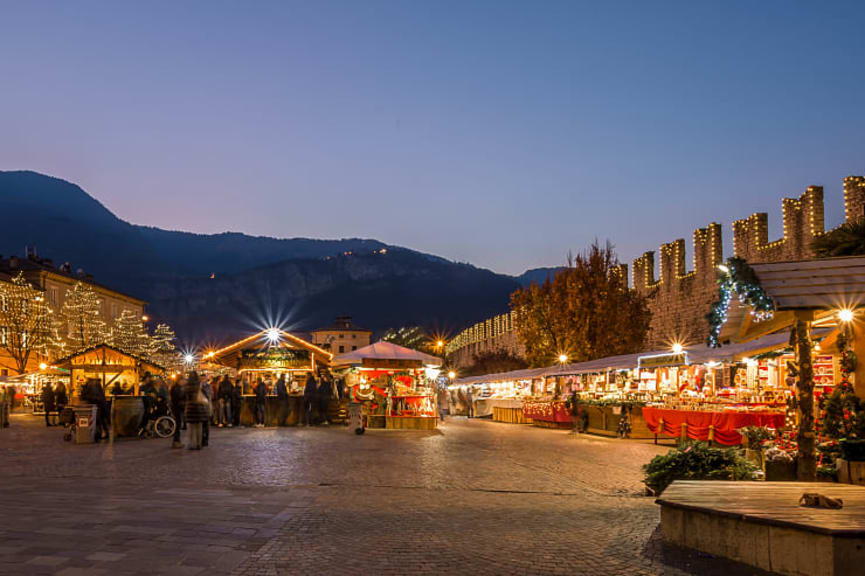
740, 280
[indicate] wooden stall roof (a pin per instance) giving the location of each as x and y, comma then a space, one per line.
825, 283
136, 361
228, 355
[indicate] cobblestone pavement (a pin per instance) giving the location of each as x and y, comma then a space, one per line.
475, 497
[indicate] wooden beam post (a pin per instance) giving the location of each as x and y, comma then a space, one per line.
857, 330
807, 437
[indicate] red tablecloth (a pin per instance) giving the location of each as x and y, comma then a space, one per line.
546, 411
726, 423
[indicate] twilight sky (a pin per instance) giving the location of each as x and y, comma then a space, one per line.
498, 133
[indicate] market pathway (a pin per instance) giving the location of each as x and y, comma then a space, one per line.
475, 498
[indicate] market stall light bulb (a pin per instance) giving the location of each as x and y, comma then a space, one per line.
723, 268
273, 334
678, 348
452, 374
43, 366
563, 358
845, 315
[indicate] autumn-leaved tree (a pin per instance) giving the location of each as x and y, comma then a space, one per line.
82, 316
27, 325
585, 311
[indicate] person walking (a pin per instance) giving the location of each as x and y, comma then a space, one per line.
281, 401
207, 390
48, 402
223, 395
325, 391
194, 411
309, 396
443, 400
177, 403
236, 401
5, 392
470, 403
260, 403
61, 399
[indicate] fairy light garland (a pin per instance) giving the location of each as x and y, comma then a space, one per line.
737, 279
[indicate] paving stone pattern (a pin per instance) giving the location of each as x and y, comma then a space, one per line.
475, 497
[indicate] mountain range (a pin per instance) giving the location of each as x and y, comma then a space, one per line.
212, 287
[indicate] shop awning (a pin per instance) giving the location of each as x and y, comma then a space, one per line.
386, 353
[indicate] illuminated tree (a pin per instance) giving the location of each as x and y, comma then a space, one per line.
27, 325
129, 334
585, 311
162, 350
83, 318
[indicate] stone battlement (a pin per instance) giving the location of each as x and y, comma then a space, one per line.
679, 300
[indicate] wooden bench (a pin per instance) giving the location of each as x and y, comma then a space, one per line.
762, 524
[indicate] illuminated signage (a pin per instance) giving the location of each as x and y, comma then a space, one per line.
662, 360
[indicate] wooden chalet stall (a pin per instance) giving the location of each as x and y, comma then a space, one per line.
397, 382
107, 364
807, 295
267, 356
112, 366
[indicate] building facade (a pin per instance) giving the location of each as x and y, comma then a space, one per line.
341, 337
54, 282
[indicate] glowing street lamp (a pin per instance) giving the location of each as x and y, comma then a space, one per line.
452, 375
273, 335
188, 358
43, 366
563, 358
846, 315
678, 348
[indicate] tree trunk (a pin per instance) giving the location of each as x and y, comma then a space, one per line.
807, 437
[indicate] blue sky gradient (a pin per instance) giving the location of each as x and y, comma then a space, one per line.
499, 133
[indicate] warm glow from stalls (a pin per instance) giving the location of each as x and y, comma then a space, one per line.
846, 315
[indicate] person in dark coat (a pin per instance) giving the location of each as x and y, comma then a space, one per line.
236, 401
61, 399
324, 393
207, 390
281, 401
260, 402
92, 393
223, 396
310, 391
177, 403
48, 402
194, 410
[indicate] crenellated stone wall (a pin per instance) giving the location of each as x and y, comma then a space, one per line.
679, 300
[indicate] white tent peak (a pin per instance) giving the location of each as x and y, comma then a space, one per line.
382, 350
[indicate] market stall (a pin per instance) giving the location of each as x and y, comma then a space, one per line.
268, 356
396, 383
499, 396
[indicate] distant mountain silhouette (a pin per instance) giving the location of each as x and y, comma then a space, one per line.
256, 280
537, 275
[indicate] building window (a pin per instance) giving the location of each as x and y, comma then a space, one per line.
353, 348
52, 296
341, 349
341, 335
3, 335
353, 336
113, 311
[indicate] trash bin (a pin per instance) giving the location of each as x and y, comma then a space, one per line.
355, 417
85, 423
